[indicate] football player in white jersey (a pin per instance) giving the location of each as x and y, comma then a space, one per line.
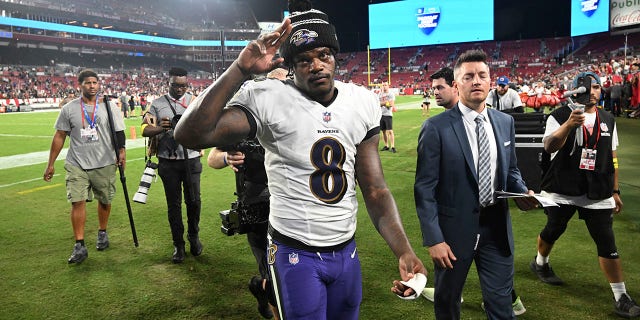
312, 128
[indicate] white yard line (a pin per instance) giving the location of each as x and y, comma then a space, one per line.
22, 136
55, 175
23, 181
27, 159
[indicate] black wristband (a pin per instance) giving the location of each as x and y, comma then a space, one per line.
616, 191
121, 139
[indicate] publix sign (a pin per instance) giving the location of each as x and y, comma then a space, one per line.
624, 13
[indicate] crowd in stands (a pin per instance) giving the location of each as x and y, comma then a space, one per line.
151, 16
207, 21
536, 66
39, 70
20, 82
410, 69
525, 61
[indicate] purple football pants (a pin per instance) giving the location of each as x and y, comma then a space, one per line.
315, 285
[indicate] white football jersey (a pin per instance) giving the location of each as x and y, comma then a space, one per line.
310, 156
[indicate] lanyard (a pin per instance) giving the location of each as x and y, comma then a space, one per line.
180, 102
596, 126
92, 120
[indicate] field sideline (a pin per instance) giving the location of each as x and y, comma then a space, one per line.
125, 282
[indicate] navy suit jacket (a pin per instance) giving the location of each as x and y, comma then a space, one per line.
446, 186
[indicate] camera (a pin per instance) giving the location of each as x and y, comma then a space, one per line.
585, 97
252, 204
247, 147
174, 120
241, 217
145, 182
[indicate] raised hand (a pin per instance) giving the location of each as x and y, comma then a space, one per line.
257, 56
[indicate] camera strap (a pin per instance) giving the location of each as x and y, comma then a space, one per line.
173, 109
185, 152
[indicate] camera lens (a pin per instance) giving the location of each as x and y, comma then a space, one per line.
145, 183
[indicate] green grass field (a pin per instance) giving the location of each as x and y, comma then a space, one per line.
125, 282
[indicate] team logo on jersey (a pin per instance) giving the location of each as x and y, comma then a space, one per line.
589, 7
303, 36
428, 19
271, 253
326, 116
603, 127
293, 258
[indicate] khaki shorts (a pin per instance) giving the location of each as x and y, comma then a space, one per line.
80, 183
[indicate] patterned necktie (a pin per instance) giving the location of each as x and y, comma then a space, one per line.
484, 167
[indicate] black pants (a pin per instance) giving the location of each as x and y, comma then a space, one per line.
174, 177
257, 238
616, 107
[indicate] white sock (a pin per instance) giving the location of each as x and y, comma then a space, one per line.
618, 289
541, 260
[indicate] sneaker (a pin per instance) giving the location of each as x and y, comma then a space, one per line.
545, 273
255, 286
385, 148
393, 150
518, 307
79, 253
626, 307
195, 247
103, 241
429, 294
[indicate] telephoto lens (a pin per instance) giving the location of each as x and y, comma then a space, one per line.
145, 183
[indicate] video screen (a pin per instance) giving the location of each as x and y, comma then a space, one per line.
589, 16
419, 22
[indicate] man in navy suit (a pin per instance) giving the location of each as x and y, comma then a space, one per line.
456, 227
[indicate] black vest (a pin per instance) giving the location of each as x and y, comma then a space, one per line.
564, 175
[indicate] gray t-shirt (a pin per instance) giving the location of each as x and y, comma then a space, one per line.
509, 100
384, 98
89, 149
168, 148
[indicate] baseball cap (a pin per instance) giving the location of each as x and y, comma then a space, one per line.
594, 78
503, 80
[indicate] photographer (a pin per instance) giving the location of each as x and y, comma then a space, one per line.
174, 170
582, 177
247, 160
